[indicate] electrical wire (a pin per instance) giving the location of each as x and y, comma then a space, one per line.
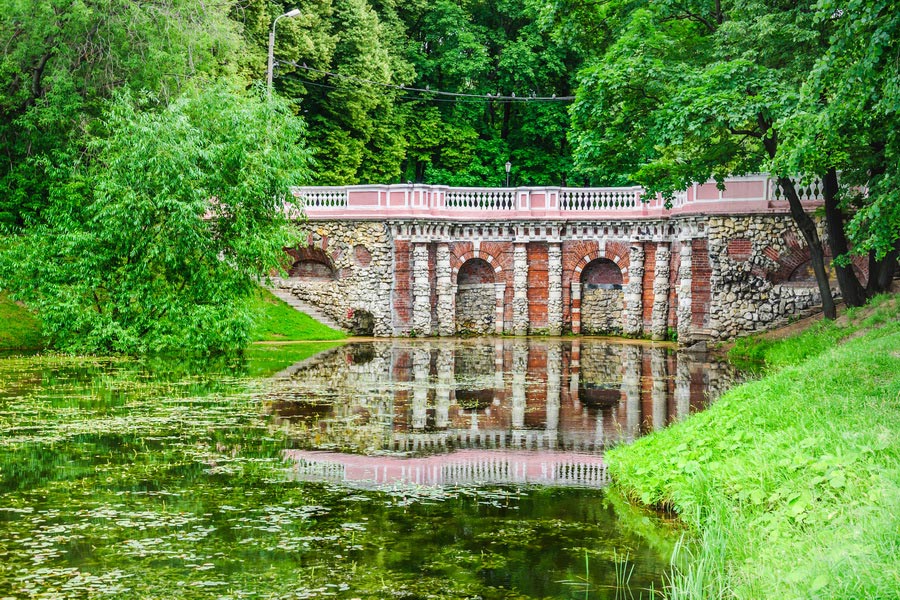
479, 97
478, 100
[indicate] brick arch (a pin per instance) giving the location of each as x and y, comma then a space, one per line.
463, 258
309, 262
621, 260
788, 263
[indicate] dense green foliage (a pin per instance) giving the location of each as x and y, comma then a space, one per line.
679, 92
156, 243
113, 130
143, 201
364, 132
792, 482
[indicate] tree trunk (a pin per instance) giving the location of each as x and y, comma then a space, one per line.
851, 289
816, 255
804, 222
881, 272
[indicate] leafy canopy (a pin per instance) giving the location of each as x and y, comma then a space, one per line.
157, 240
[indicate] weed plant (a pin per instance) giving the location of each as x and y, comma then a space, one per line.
790, 483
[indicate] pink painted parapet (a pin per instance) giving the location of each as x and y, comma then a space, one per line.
749, 194
458, 468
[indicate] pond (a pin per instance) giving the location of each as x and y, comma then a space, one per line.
390, 469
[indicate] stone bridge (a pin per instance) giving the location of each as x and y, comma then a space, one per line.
436, 261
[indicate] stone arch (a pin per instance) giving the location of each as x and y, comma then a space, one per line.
476, 296
311, 264
602, 296
362, 322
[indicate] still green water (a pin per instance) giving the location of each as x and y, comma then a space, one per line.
395, 469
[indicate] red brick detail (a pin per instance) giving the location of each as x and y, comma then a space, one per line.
739, 249
771, 253
647, 284
361, 255
700, 289
788, 266
402, 284
538, 284
790, 238
536, 391
601, 270
861, 268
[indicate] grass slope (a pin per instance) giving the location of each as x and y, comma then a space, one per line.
276, 321
19, 329
791, 483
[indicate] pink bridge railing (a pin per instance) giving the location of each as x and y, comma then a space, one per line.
748, 194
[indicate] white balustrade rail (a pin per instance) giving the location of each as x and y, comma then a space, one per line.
807, 191
590, 199
323, 197
480, 199
745, 194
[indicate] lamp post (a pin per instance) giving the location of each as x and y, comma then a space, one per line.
508, 167
288, 14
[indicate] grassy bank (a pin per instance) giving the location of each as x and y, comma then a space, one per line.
791, 483
276, 321
19, 329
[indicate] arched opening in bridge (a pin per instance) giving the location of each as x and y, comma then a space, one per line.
602, 298
311, 264
362, 323
476, 371
476, 297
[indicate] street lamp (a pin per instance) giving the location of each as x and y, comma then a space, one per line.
288, 14
508, 167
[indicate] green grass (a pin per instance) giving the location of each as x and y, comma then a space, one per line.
19, 329
790, 483
276, 321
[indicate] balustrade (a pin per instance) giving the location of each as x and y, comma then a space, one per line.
752, 193
591, 199
480, 199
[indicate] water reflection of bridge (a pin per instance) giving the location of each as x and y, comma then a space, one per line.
537, 394
466, 467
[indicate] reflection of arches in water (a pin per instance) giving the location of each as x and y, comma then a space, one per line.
362, 323
602, 298
361, 354
475, 399
311, 264
597, 396
475, 297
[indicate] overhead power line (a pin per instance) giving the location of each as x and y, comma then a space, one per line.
511, 98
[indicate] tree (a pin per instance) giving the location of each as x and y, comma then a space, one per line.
696, 89
847, 123
60, 62
156, 240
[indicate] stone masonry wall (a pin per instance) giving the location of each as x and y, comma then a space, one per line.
362, 258
476, 308
750, 262
601, 310
704, 278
